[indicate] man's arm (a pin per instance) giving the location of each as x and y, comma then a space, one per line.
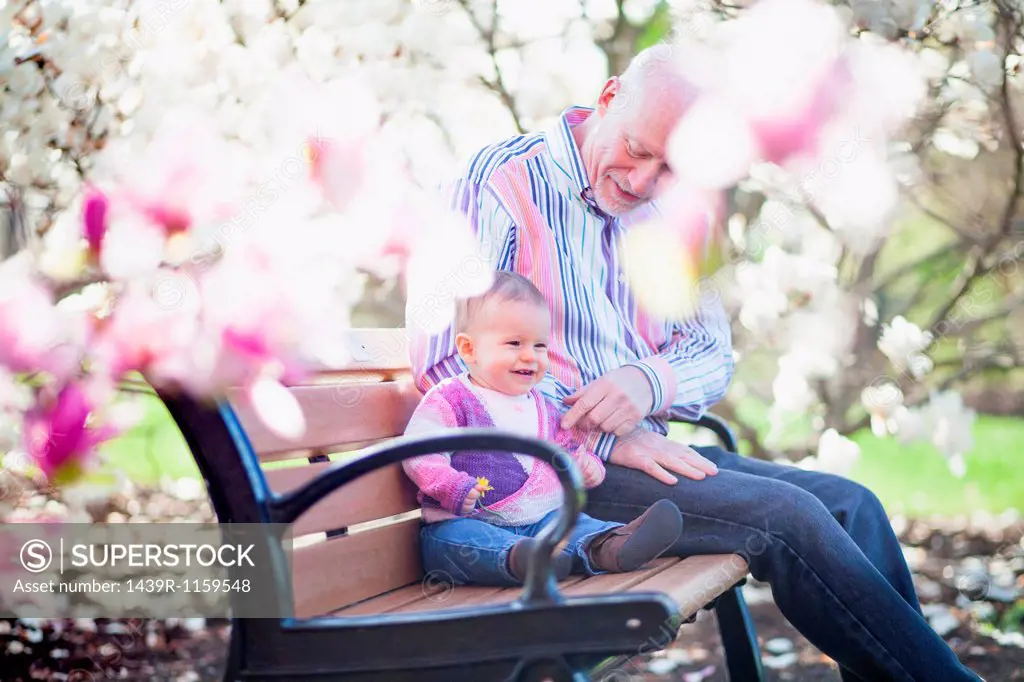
692, 371
689, 374
433, 355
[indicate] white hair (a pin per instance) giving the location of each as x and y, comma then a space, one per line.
657, 68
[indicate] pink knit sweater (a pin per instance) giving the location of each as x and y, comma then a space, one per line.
525, 489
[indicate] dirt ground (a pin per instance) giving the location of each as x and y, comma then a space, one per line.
970, 577
699, 653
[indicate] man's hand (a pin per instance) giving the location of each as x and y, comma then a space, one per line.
592, 469
659, 457
614, 403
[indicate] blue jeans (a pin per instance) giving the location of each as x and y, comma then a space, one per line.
470, 551
823, 543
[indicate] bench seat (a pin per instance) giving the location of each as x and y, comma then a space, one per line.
363, 608
690, 583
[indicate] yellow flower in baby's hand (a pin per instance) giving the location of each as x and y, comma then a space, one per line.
483, 485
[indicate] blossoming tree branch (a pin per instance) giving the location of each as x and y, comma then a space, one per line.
197, 191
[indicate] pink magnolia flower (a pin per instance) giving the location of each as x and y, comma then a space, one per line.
771, 85
34, 335
205, 330
338, 168
264, 312
785, 70
94, 219
176, 192
256, 352
152, 327
187, 176
702, 232
667, 255
713, 145
58, 433
695, 219
332, 125
799, 130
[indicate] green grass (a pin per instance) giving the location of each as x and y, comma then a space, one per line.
916, 480
913, 480
152, 450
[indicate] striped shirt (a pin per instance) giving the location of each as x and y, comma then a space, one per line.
530, 203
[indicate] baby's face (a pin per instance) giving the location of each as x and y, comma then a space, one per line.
509, 345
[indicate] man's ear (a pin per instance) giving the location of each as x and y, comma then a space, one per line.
608, 92
465, 346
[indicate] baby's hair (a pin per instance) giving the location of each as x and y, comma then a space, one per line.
507, 286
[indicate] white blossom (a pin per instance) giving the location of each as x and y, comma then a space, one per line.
25, 80
883, 400
945, 422
859, 201
903, 342
968, 24
791, 388
836, 454
933, 63
764, 288
763, 302
986, 67
15, 398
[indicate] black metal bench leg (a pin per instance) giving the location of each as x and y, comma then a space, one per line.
236, 645
742, 654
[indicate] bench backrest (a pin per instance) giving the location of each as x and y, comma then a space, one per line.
362, 540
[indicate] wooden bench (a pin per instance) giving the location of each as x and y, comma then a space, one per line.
364, 610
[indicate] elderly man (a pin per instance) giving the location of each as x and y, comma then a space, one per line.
553, 206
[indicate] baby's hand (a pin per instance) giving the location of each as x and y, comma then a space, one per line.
482, 486
470, 502
593, 471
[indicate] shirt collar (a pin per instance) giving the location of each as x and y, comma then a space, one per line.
566, 154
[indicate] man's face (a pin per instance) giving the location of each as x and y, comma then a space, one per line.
624, 154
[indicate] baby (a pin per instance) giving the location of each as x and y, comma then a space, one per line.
484, 509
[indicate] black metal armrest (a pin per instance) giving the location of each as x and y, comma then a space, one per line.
539, 588
715, 424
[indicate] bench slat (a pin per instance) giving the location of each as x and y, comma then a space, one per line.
392, 601
348, 449
459, 597
340, 571
690, 582
435, 596
337, 415
374, 349
618, 582
696, 580
512, 593
379, 494
348, 376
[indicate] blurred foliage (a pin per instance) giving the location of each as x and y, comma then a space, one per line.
656, 28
